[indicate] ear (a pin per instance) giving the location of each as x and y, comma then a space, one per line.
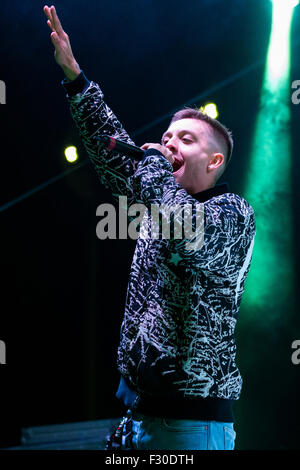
215, 162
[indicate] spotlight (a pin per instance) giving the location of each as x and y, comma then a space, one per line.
268, 285
71, 154
284, 4
210, 109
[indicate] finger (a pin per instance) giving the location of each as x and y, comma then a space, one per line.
47, 12
55, 21
46, 8
54, 38
49, 16
50, 25
149, 144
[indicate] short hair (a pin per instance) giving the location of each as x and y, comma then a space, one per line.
194, 113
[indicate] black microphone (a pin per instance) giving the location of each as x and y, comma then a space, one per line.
112, 144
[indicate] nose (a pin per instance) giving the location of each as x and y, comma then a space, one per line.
171, 145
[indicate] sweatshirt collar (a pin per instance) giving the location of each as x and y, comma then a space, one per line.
207, 194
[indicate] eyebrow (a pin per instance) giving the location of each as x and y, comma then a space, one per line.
183, 131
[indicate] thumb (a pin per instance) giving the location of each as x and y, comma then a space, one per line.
54, 37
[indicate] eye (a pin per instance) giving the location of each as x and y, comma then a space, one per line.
186, 140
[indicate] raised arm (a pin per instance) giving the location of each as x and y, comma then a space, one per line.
91, 114
63, 52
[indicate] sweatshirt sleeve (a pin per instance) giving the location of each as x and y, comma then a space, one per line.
213, 233
93, 118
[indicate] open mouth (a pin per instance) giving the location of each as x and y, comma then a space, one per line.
177, 165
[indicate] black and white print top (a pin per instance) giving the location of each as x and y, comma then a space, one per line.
177, 342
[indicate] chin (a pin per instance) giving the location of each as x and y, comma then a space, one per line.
179, 173
184, 182
179, 179
176, 177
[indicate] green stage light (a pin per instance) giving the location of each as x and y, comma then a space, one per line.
286, 4
279, 48
269, 286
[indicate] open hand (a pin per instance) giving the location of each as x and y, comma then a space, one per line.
63, 52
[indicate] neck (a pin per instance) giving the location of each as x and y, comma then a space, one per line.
201, 187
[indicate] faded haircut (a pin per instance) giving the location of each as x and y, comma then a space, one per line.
220, 129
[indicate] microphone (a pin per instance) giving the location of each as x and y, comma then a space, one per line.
112, 144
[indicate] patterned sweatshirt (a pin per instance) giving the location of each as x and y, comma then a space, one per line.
177, 348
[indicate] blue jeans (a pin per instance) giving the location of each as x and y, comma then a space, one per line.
153, 433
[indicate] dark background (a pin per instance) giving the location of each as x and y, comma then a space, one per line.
63, 290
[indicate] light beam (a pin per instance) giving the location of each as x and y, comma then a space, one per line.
269, 286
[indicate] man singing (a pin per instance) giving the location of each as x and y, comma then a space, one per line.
177, 349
